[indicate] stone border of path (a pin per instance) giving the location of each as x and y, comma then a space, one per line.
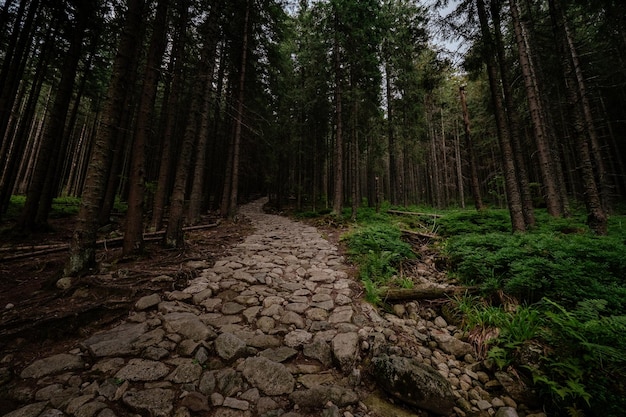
274, 328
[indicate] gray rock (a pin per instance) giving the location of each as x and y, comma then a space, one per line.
231, 402
506, 412
229, 347
185, 373
90, 409
279, 354
196, 402
517, 389
298, 338
452, 345
318, 396
319, 350
230, 308
147, 302
414, 383
269, 377
157, 402
118, 341
53, 365
229, 381
345, 348
188, 325
30, 410
142, 370
207, 383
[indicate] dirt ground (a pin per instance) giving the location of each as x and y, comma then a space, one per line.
37, 318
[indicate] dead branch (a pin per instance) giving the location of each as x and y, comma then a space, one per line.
412, 213
47, 249
424, 293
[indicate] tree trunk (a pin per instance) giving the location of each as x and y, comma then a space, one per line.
22, 139
172, 98
197, 188
552, 193
234, 187
513, 121
474, 181
510, 176
584, 130
133, 231
338, 146
83, 244
52, 140
14, 60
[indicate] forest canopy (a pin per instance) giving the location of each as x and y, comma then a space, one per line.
177, 107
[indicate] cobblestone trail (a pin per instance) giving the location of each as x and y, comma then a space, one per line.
276, 328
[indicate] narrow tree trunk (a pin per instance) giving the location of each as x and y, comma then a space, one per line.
474, 181
510, 174
83, 244
234, 187
15, 61
52, 140
169, 113
513, 121
15, 152
338, 149
197, 187
552, 193
133, 231
583, 123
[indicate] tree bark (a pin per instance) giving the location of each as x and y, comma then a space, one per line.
234, 187
133, 231
584, 130
552, 193
172, 98
338, 148
82, 247
474, 181
510, 175
513, 121
197, 187
52, 140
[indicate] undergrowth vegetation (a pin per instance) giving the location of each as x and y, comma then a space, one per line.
565, 325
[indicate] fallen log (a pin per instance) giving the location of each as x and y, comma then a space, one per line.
424, 293
412, 213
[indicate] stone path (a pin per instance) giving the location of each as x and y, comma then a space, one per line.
276, 328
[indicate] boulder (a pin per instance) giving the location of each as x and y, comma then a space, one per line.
414, 383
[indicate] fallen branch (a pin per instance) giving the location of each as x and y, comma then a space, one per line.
47, 249
424, 293
420, 234
412, 213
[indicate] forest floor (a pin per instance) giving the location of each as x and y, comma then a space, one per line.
37, 317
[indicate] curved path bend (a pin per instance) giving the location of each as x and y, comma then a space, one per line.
275, 328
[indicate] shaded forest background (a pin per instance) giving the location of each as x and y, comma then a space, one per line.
172, 108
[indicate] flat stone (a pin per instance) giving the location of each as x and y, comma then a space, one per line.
298, 338
318, 396
269, 377
142, 370
147, 302
53, 365
230, 308
188, 325
231, 402
229, 347
117, 341
279, 354
30, 410
157, 402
